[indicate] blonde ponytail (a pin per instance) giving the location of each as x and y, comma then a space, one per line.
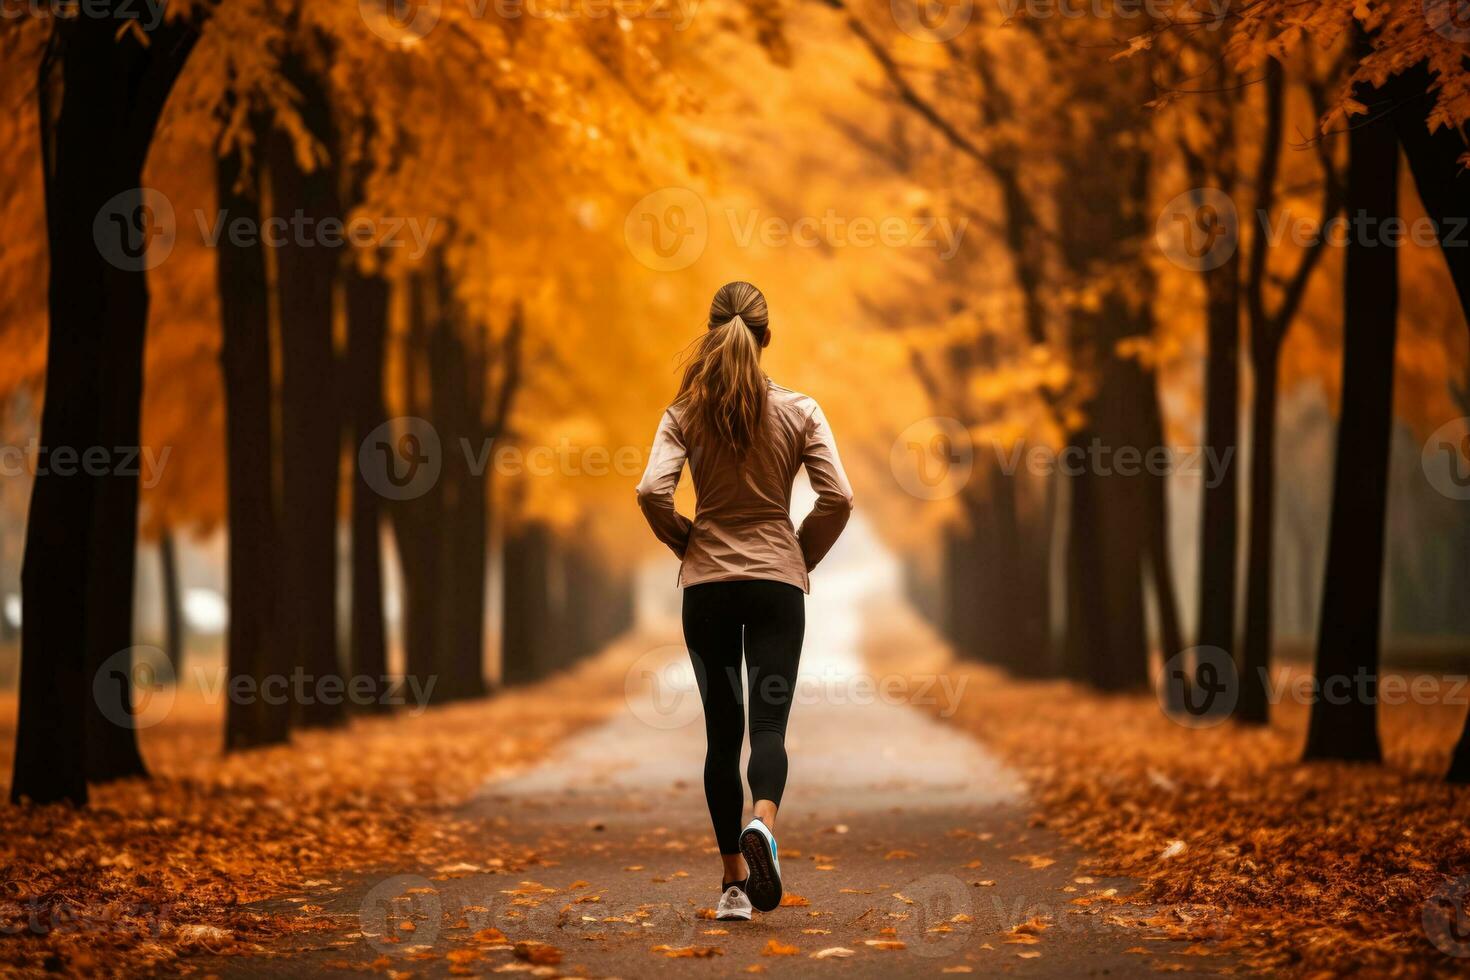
724, 389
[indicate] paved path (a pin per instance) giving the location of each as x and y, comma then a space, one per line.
907, 841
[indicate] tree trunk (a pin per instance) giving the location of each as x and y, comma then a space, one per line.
310, 424
1344, 721
527, 616
962, 621
1255, 656
1218, 513
1160, 556
256, 649
367, 337
1434, 161
417, 520
1460, 764
100, 100
173, 615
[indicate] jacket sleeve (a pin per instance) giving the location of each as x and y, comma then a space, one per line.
824, 470
660, 480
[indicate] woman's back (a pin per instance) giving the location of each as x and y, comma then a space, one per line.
742, 526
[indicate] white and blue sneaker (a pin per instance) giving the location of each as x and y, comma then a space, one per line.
758, 845
734, 903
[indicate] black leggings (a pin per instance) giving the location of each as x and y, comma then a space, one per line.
773, 615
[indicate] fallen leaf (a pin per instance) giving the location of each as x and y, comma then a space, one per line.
833, 952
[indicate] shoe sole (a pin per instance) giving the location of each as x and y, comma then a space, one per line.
733, 917
764, 886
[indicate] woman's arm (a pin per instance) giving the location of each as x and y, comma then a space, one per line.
822, 526
660, 480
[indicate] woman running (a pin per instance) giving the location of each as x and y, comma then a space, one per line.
743, 567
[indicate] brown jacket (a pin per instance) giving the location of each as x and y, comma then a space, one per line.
742, 523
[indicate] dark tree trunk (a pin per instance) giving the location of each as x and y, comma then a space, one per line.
1218, 513
1107, 628
1434, 160
169, 590
416, 521
1086, 567
526, 652
963, 626
1255, 656
1460, 763
101, 97
367, 337
1034, 593
1159, 555
1344, 724
256, 648
310, 423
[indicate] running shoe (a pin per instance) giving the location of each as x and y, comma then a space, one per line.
734, 903
758, 845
